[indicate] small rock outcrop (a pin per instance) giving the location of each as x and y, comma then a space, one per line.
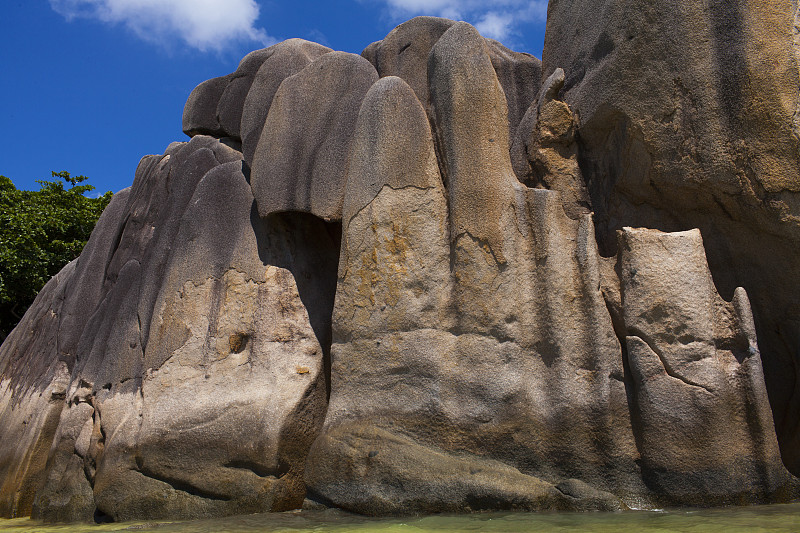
437, 277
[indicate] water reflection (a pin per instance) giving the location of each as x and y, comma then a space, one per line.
769, 518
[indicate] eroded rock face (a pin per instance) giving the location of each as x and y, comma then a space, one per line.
391, 283
301, 158
290, 57
199, 370
404, 53
688, 119
485, 340
700, 399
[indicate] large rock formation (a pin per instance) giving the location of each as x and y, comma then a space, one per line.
197, 334
688, 118
426, 279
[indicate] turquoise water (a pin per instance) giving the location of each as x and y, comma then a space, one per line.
771, 518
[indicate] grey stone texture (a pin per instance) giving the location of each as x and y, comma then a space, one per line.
190, 383
301, 158
217, 106
289, 58
438, 277
688, 118
404, 53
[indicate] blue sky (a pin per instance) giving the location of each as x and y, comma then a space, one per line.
91, 86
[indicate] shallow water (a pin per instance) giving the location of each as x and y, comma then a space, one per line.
772, 518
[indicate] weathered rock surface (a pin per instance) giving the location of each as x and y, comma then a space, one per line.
465, 340
301, 158
217, 106
425, 279
404, 53
544, 149
199, 372
700, 399
689, 119
289, 57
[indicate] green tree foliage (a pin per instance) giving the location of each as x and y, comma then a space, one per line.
40, 232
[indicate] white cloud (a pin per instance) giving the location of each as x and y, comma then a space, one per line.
497, 19
202, 24
495, 25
